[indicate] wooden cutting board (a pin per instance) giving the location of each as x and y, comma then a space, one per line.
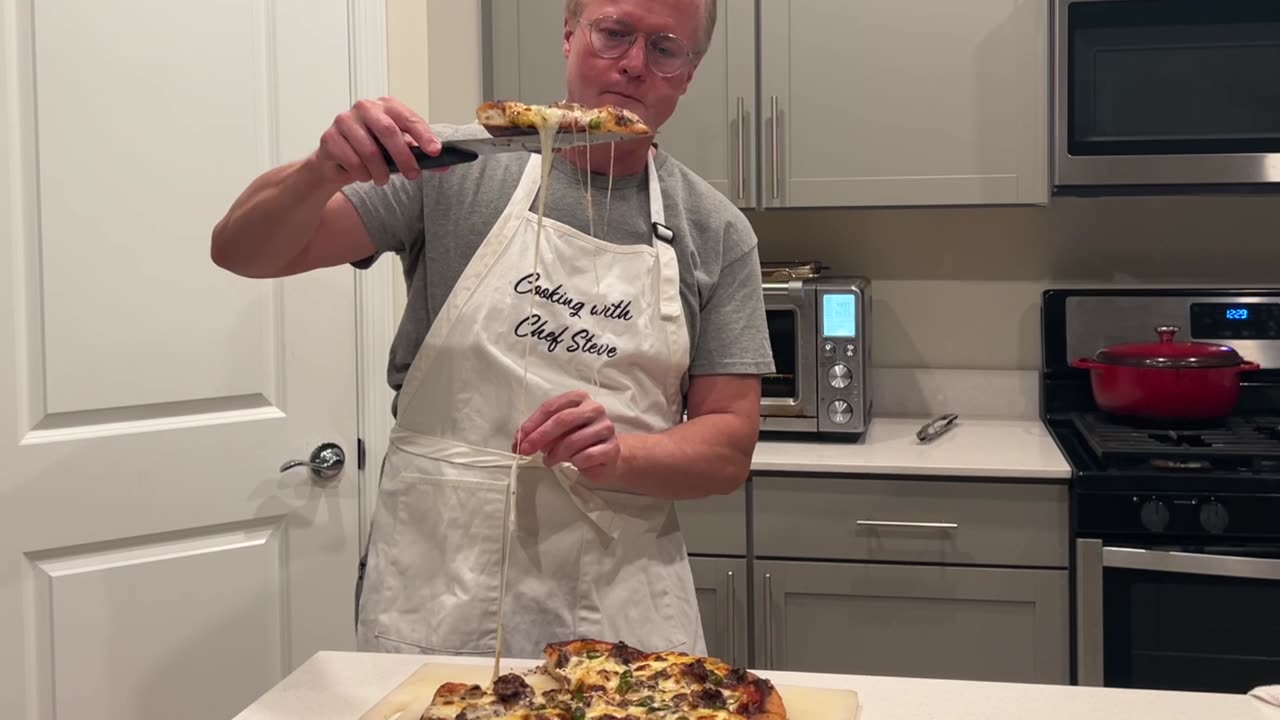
413, 695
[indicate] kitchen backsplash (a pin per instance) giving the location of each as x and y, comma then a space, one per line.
959, 288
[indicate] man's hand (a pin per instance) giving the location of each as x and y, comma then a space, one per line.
572, 428
349, 152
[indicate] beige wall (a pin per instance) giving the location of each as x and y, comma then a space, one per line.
955, 287
959, 288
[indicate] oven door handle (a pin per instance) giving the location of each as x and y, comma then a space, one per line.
1191, 563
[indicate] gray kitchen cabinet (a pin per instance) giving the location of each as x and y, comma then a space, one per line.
722, 587
715, 525
944, 521
904, 102
870, 103
997, 624
713, 129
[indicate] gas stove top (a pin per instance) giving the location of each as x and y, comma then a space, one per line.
1245, 443
1191, 480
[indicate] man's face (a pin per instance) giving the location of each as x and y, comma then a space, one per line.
629, 81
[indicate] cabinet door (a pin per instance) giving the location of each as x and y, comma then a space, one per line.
929, 621
721, 584
904, 102
712, 130
716, 524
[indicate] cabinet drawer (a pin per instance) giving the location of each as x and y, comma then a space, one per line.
989, 523
715, 525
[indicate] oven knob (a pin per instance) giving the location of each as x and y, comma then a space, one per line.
839, 376
828, 349
850, 350
1213, 517
840, 412
1155, 515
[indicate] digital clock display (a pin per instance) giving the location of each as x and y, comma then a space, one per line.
840, 315
1235, 321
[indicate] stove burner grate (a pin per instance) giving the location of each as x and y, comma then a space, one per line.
1243, 441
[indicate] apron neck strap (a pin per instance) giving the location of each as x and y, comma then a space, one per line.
657, 216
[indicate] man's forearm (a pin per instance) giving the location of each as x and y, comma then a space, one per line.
272, 220
707, 455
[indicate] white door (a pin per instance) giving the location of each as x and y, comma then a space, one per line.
154, 560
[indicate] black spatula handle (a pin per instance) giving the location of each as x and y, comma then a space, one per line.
449, 155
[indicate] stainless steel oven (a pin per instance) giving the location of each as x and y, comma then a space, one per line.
1177, 617
1175, 524
820, 335
1166, 94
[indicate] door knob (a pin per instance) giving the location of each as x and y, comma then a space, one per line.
326, 461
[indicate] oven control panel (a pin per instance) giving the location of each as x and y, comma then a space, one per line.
1222, 516
1229, 321
842, 386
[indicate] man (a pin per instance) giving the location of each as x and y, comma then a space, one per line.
558, 355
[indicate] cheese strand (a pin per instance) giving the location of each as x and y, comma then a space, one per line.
546, 130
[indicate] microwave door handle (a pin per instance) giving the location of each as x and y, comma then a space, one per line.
1191, 563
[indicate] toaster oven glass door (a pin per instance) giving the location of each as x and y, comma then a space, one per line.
784, 336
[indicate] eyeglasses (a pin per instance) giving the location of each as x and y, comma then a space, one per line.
612, 37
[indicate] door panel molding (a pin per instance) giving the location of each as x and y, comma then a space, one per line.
376, 318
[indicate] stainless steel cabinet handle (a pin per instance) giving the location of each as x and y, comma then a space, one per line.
741, 150
1191, 563
894, 523
732, 616
768, 621
773, 145
326, 461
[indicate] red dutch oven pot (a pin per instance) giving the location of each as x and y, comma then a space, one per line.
1167, 379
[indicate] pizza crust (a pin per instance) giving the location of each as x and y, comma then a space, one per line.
501, 117
773, 707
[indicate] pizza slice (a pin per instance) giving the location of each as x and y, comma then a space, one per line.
511, 697
663, 685
504, 117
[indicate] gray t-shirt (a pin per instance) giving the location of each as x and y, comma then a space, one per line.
436, 223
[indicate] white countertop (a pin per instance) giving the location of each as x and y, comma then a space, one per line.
977, 447
341, 686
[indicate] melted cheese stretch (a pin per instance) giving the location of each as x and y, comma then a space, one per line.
548, 121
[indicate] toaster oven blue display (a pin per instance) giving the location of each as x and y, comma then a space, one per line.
839, 315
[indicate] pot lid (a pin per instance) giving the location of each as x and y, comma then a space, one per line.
1168, 353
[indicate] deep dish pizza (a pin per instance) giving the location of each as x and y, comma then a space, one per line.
506, 116
595, 680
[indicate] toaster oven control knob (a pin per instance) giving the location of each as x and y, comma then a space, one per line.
839, 375
828, 349
850, 350
1155, 515
840, 412
1213, 517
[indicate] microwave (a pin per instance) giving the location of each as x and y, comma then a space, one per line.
1166, 96
820, 335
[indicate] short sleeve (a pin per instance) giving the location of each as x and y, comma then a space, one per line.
392, 214
733, 335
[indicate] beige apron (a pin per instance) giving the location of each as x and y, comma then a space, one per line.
583, 562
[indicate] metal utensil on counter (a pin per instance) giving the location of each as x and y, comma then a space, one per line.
934, 429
